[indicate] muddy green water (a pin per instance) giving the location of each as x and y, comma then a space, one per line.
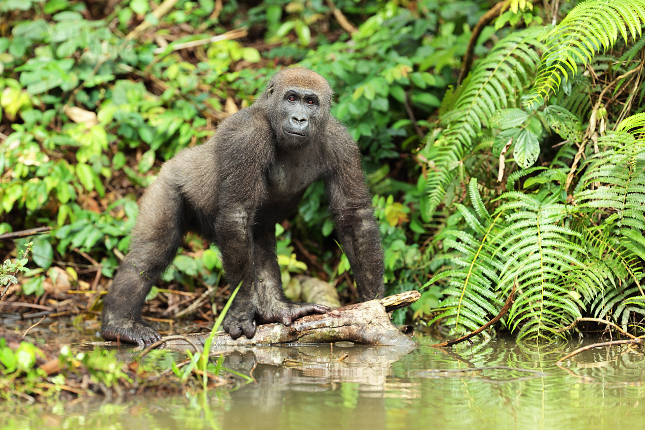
382, 388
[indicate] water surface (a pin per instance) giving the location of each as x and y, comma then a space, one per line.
518, 386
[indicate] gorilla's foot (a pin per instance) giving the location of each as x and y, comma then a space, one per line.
130, 331
285, 312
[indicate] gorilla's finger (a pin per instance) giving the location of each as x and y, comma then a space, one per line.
249, 329
286, 318
309, 309
321, 309
235, 332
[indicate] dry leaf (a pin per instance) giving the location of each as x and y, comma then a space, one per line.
81, 116
230, 107
57, 282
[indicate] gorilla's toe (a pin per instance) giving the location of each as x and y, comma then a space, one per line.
130, 331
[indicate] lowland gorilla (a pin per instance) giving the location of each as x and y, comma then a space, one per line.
233, 189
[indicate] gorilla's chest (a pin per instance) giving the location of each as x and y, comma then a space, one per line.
291, 175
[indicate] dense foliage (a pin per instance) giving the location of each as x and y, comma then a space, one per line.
526, 173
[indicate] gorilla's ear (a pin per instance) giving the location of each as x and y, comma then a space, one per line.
270, 89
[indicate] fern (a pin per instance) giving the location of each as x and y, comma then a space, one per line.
615, 179
538, 252
490, 87
613, 185
590, 27
470, 295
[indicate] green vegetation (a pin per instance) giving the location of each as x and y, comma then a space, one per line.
528, 173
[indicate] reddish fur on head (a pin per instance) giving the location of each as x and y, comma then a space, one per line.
300, 77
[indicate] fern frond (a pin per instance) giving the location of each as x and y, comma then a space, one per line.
539, 253
470, 295
615, 178
590, 27
490, 86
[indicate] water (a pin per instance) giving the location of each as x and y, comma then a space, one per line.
380, 388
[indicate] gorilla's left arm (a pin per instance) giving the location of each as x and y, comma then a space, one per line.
351, 206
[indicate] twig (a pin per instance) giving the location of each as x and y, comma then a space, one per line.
505, 308
502, 160
322, 275
15, 273
34, 325
342, 20
160, 11
24, 233
408, 109
193, 307
554, 14
251, 372
229, 35
479, 27
213, 16
164, 340
598, 345
398, 301
592, 125
597, 320
27, 305
630, 98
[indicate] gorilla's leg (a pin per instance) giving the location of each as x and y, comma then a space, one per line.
155, 240
272, 304
265, 302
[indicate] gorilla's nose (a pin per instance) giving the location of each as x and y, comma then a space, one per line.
299, 121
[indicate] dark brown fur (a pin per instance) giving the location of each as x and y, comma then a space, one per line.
233, 189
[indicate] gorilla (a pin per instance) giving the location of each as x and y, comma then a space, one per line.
233, 189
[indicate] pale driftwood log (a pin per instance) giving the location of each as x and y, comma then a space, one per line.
363, 323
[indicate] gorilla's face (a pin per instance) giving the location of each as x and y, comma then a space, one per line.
299, 115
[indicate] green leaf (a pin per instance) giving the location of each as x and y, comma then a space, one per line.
26, 356
8, 358
147, 161
398, 93
503, 138
251, 55
85, 175
33, 286
527, 149
426, 99
328, 227
381, 104
186, 265
152, 19
68, 16
508, 118
53, 6
139, 6
66, 48
211, 260
118, 161
42, 252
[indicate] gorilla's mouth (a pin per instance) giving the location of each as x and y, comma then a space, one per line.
293, 133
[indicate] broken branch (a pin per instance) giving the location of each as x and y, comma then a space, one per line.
505, 308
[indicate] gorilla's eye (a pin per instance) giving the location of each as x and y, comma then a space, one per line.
291, 98
310, 102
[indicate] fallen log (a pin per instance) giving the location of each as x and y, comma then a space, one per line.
365, 323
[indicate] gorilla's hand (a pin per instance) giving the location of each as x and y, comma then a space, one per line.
242, 315
282, 311
130, 331
240, 318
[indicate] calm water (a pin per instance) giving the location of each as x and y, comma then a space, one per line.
382, 388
